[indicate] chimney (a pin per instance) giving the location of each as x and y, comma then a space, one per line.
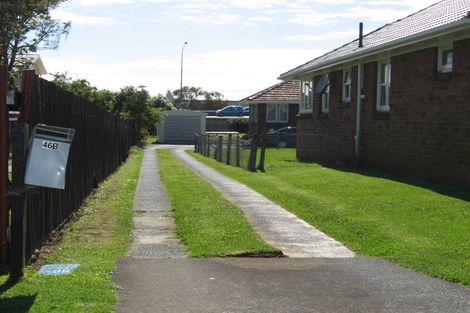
361, 27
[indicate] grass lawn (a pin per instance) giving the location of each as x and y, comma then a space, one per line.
419, 225
94, 241
207, 223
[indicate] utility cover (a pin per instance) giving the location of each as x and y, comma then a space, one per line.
48, 155
58, 269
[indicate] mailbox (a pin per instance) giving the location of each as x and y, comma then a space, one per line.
47, 157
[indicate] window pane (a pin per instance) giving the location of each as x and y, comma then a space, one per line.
383, 96
283, 112
383, 70
271, 113
447, 57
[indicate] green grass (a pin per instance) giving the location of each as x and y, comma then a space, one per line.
423, 226
94, 241
207, 223
151, 140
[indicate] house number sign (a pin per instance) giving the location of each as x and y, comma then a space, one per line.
50, 145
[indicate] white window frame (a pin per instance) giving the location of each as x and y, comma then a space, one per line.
347, 83
441, 67
325, 96
277, 110
306, 96
387, 83
276, 113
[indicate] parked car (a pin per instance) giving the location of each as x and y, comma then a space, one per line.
282, 137
231, 110
246, 111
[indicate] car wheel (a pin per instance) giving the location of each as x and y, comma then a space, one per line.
282, 144
221, 114
240, 114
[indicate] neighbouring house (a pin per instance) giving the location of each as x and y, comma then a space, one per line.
274, 107
410, 112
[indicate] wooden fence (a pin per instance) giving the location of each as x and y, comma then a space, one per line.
102, 142
232, 150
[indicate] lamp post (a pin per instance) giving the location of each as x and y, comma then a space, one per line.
181, 80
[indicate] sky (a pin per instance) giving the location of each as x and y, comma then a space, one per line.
236, 47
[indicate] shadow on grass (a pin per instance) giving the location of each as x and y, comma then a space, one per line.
454, 191
11, 281
18, 304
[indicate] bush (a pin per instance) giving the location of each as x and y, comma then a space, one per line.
240, 125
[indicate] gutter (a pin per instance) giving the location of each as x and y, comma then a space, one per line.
422, 36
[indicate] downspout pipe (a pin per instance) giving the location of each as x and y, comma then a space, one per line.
357, 137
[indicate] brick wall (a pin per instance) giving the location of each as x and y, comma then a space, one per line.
426, 134
262, 125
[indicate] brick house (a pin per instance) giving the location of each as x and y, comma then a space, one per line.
410, 112
274, 107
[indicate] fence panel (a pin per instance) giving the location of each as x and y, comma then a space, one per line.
101, 143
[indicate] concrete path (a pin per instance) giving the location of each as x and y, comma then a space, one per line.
352, 285
276, 225
153, 222
157, 277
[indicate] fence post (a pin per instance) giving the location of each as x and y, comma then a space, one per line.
208, 146
4, 152
253, 150
219, 147
229, 149
263, 152
237, 151
196, 146
18, 211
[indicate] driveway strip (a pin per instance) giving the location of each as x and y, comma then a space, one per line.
274, 224
154, 224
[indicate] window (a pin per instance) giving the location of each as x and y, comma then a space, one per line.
306, 101
283, 113
271, 113
445, 58
277, 113
325, 96
384, 78
347, 85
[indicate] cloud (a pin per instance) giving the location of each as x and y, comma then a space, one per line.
78, 19
348, 34
235, 73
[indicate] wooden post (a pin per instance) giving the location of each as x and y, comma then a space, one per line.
219, 148
253, 151
263, 153
229, 149
237, 152
4, 153
204, 145
208, 146
195, 142
18, 210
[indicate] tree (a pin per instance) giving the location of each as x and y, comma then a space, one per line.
135, 103
26, 27
161, 102
81, 87
200, 99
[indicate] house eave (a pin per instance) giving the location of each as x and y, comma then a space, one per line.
367, 52
247, 102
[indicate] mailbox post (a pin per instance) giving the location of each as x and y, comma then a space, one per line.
47, 157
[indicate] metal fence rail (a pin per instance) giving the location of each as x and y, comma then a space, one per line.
231, 150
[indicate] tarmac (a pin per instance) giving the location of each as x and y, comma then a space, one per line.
318, 276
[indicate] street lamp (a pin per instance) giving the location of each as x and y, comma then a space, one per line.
181, 81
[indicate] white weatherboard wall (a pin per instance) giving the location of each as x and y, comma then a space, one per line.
180, 126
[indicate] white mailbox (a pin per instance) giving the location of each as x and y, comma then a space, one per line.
47, 157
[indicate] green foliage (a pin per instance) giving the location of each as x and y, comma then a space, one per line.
416, 224
95, 241
136, 103
240, 125
161, 102
207, 223
81, 87
200, 99
26, 27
